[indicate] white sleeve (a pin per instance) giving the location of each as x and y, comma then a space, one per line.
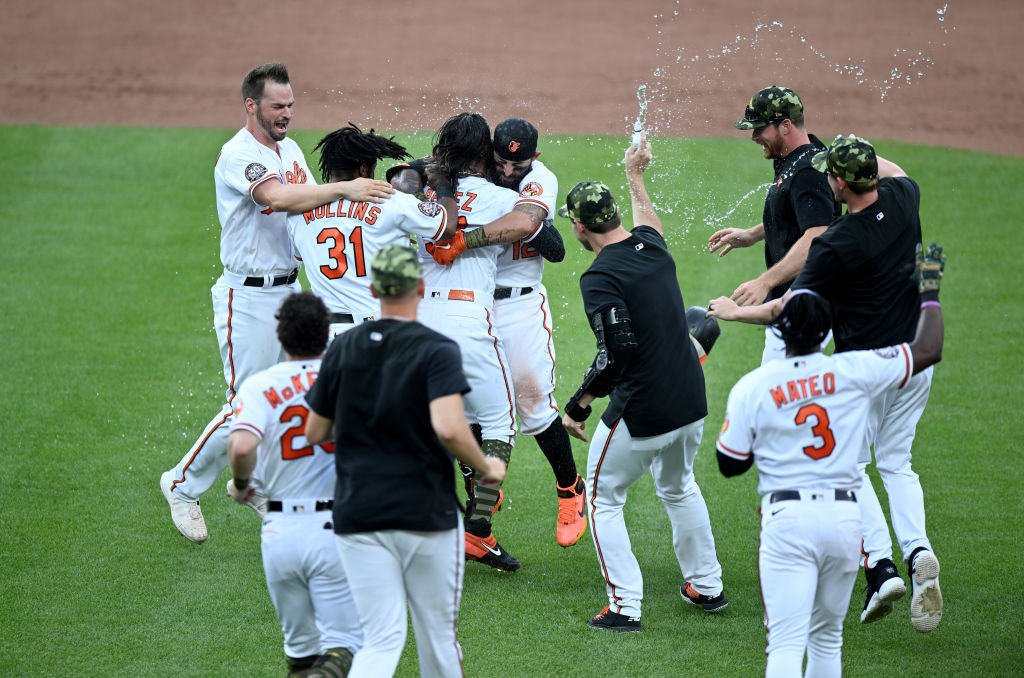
876, 371
244, 171
424, 219
250, 413
736, 439
539, 187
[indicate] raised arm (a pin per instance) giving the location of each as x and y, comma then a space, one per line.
638, 157
927, 345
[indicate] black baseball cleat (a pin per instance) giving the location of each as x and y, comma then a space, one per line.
613, 621
709, 603
488, 551
884, 588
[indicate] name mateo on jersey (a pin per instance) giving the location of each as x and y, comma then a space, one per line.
363, 211
801, 389
275, 398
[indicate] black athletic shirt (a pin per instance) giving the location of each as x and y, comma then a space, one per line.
863, 263
800, 198
376, 382
663, 388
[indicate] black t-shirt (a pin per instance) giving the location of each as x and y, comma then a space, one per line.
376, 382
663, 386
800, 198
863, 263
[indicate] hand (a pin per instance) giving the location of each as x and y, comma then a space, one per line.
366, 190
574, 428
928, 268
445, 252
751, 292
730, 238
241, 496
492, 471
723, 308
638, 156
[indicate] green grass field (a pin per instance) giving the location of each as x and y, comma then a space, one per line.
111, 245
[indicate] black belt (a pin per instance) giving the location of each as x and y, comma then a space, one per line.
506, 292
274, 505
789, 495
255, 281
346, 318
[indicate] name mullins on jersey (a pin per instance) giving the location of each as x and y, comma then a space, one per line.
800, 389
363, 211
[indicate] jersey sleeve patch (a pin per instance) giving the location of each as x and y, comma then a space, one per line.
254, 171
531, 190
430, 209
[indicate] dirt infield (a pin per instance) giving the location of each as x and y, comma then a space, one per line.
920, 71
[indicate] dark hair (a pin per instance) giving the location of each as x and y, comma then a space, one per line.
804, 322
345, 149
303, 323
463, 140
604, 226
255, 80
860, 188
797, 120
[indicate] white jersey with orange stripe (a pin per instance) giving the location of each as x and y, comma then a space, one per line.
336, 242
271, 405
254, 239
519, 265
805, 418
480, 202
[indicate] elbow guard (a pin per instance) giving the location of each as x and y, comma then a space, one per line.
615, 345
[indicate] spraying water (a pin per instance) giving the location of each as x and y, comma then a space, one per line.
641, 118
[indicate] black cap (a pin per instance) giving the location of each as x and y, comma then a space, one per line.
515, 139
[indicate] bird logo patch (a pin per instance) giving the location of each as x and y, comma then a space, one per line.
513, 146
254, 171
531, 190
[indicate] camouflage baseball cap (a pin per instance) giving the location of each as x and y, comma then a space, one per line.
772, 104
515, 139
589, 202
849, 158
395, 269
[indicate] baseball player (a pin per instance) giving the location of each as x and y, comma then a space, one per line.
337, 241
304, 573
521, 310
798, 207
803, 420
860, 265
655, 415
397, 522
259, 176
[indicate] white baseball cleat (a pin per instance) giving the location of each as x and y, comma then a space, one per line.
926, 603
257, 502
187, 516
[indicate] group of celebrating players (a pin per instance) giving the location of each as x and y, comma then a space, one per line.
359, 521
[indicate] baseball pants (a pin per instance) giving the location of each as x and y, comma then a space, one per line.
392, 570
307, 583
615, 462
524, 325
807, 563
775, 347
489, 403
247, 333
892, 425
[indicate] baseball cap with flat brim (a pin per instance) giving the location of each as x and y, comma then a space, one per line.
395, 269
850, 158
589, 202
770, 105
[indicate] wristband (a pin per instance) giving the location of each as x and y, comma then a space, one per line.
930, 295
444, 189
241, 484
575, 412
930, 304
475, 238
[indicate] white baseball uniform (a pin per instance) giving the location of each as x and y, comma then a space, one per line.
522, 314
805, 420
337, 241
458, 303
259, 273
304, 573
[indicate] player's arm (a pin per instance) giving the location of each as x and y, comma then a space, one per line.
725, 308
730, 238
731, 466
449, 423
319, 429
282, 197
638, 158
927, 345
786, 269
524, 219
548, 243
242, 450
887, 169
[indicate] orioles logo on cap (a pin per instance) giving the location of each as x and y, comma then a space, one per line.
513, 146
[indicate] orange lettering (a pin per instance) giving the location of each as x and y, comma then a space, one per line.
321, 211
328, 212
778, 396
470, 197
287, 393
793, 393
272, 397
815, 391
371, 216
360, 210
830, 382
299, 388
803, 387
308, 216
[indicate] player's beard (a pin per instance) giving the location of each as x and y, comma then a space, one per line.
513, 181
268, 127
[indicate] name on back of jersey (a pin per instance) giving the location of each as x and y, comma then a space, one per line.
801, 389
362, 211
297, 386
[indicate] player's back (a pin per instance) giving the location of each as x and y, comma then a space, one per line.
480, 202
271, 404
336, 242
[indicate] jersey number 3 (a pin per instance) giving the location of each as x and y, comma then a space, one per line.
298, 414
820, 429
339, 263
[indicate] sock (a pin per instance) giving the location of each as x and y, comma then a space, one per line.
297, 666
554, 443
485, 497
334, 663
